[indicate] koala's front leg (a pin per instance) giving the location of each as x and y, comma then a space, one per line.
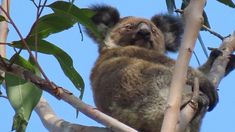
205, 86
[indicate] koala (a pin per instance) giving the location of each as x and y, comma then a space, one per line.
132, 75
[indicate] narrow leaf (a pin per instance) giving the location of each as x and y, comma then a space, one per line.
17, 59
23, 96
62, 57
36, 69
227, 2
82, 16
2, 18
170, 6
88, 12
52, 23
206, 20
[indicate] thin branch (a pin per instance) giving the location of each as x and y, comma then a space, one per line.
218, 70
193, 20
204, 26
3, 43
69, 98
213, 32
202, 45
56, 124
25, 44
34, 3
196, 58
3, 96
80, 30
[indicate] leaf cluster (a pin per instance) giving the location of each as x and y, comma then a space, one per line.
24, 95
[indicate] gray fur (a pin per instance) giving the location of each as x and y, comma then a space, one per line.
131, 78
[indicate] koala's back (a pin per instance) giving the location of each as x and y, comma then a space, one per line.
131, 89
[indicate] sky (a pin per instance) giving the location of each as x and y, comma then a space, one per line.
84, 54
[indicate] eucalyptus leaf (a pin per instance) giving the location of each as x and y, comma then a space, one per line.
62, 57
23, 96
17, 59
170, 6
229, 3
51, 24
2, 18
83, 16
206, 20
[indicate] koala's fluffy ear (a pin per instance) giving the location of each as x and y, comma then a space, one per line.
105, 18
172, 27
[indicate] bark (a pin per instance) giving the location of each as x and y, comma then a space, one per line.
193, 20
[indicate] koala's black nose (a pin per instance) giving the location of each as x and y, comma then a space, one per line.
144, 31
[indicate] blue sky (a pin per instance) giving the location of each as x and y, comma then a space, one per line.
84, 54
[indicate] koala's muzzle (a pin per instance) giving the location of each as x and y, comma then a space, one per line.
144, 31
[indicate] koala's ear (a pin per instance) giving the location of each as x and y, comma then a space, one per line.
172, 27
105, 18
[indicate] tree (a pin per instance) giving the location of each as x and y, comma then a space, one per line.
48, 32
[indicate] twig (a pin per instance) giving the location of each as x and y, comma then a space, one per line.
193, 20
213, 32
68, 97
80, 30
2, 96
25, 44
196, 58
55, 124
3, 43
202, 45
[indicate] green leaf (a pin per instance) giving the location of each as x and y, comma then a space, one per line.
19, 122
17, 59
23, 96
206, 20
82, 16
29, 65
62, 57
88, 12
184, 4
2, 18
228, 3
170, 6
36, 69
52, 23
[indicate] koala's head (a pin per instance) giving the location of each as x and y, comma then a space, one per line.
161, 33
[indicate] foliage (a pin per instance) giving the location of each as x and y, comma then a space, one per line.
24, 95
228, 3
2, 18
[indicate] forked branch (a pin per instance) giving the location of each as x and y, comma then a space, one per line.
193, 20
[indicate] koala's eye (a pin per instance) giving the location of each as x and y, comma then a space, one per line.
129, 26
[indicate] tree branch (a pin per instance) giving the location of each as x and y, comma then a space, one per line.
188, 112
193, 21
4, 27
55, 124
219, 66
68, 97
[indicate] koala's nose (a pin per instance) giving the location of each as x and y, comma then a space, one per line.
144, 30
